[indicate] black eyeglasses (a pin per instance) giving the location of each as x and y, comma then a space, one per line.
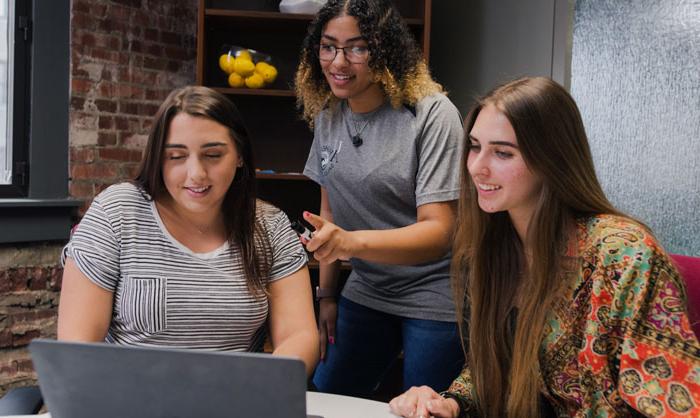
353, 54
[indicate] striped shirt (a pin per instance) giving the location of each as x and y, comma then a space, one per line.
165, 294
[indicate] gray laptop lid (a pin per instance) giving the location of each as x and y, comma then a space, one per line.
80, 380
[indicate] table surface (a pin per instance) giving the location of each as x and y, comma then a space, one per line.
321, 404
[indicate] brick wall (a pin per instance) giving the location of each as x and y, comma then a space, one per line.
126, 56
29, 285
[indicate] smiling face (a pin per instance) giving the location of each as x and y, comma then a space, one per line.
351, 81
199, 164
502, 179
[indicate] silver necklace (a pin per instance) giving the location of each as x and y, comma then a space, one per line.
356, 139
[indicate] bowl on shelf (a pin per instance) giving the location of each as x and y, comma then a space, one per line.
247, 68
301, 6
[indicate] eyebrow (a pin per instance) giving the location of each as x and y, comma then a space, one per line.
504, 143
356, 38
207, 145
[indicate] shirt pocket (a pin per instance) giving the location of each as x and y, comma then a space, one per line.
142, 303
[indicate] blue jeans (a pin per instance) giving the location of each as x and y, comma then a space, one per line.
367, 342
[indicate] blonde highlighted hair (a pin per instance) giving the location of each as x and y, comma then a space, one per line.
395, 60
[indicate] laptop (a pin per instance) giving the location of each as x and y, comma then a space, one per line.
88, 380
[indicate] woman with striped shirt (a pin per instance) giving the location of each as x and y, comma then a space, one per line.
184, 256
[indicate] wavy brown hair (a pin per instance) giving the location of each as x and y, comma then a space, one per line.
394, 58
243, 228
508, 297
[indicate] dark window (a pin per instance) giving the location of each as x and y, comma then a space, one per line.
34, 202
15, 38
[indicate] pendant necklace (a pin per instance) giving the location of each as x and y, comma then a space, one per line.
356, 139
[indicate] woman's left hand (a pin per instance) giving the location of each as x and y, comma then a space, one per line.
330, 242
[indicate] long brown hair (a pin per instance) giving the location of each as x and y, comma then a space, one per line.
394, 58
506, 319
243, 228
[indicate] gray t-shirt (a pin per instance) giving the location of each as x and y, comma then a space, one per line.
409, 157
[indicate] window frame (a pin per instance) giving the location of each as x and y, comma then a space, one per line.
44, 211
20, 91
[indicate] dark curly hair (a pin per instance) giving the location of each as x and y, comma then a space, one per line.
395, 60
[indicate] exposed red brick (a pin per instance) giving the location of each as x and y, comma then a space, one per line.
129, 91
81, 189
119, 12
148, 109
131, 170
105, 122
56, 279
32, 316
155, 50
177, 53
88, 39
5, 284
151, 35
98, 10
155, 63
106, 73
129, 108
102, 170
104, 105
106, 89
81, 86
83, 21
135, 46
5, 341
25, 366
105, 54
81, 6
132, 3
105, 139
120, 154
109, 25
19, 340
82, 155
77, 103
146, 124
174, 66
80, 73
170, 38
121, 123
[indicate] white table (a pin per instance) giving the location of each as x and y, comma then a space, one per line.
337, 406
321, 404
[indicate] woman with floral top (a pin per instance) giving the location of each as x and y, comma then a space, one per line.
574, 309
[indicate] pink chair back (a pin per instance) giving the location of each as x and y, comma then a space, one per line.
689, 268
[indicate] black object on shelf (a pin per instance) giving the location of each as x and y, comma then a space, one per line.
263, 5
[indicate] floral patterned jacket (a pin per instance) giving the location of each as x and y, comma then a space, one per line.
618, 341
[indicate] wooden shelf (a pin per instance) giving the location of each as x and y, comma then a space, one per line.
255, 92
277, 16
282, 176
280, 138
254, 14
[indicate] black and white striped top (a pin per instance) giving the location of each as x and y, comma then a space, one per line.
165, 294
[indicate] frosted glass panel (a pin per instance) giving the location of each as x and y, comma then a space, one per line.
635, 73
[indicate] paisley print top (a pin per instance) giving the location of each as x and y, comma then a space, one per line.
618, 341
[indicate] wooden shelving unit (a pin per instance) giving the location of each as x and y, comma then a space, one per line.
281, 140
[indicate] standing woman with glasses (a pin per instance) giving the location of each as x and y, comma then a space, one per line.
387, 144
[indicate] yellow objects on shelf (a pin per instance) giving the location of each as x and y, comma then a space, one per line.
247, 68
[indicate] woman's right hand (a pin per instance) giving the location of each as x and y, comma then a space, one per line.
327, 315
423, 402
